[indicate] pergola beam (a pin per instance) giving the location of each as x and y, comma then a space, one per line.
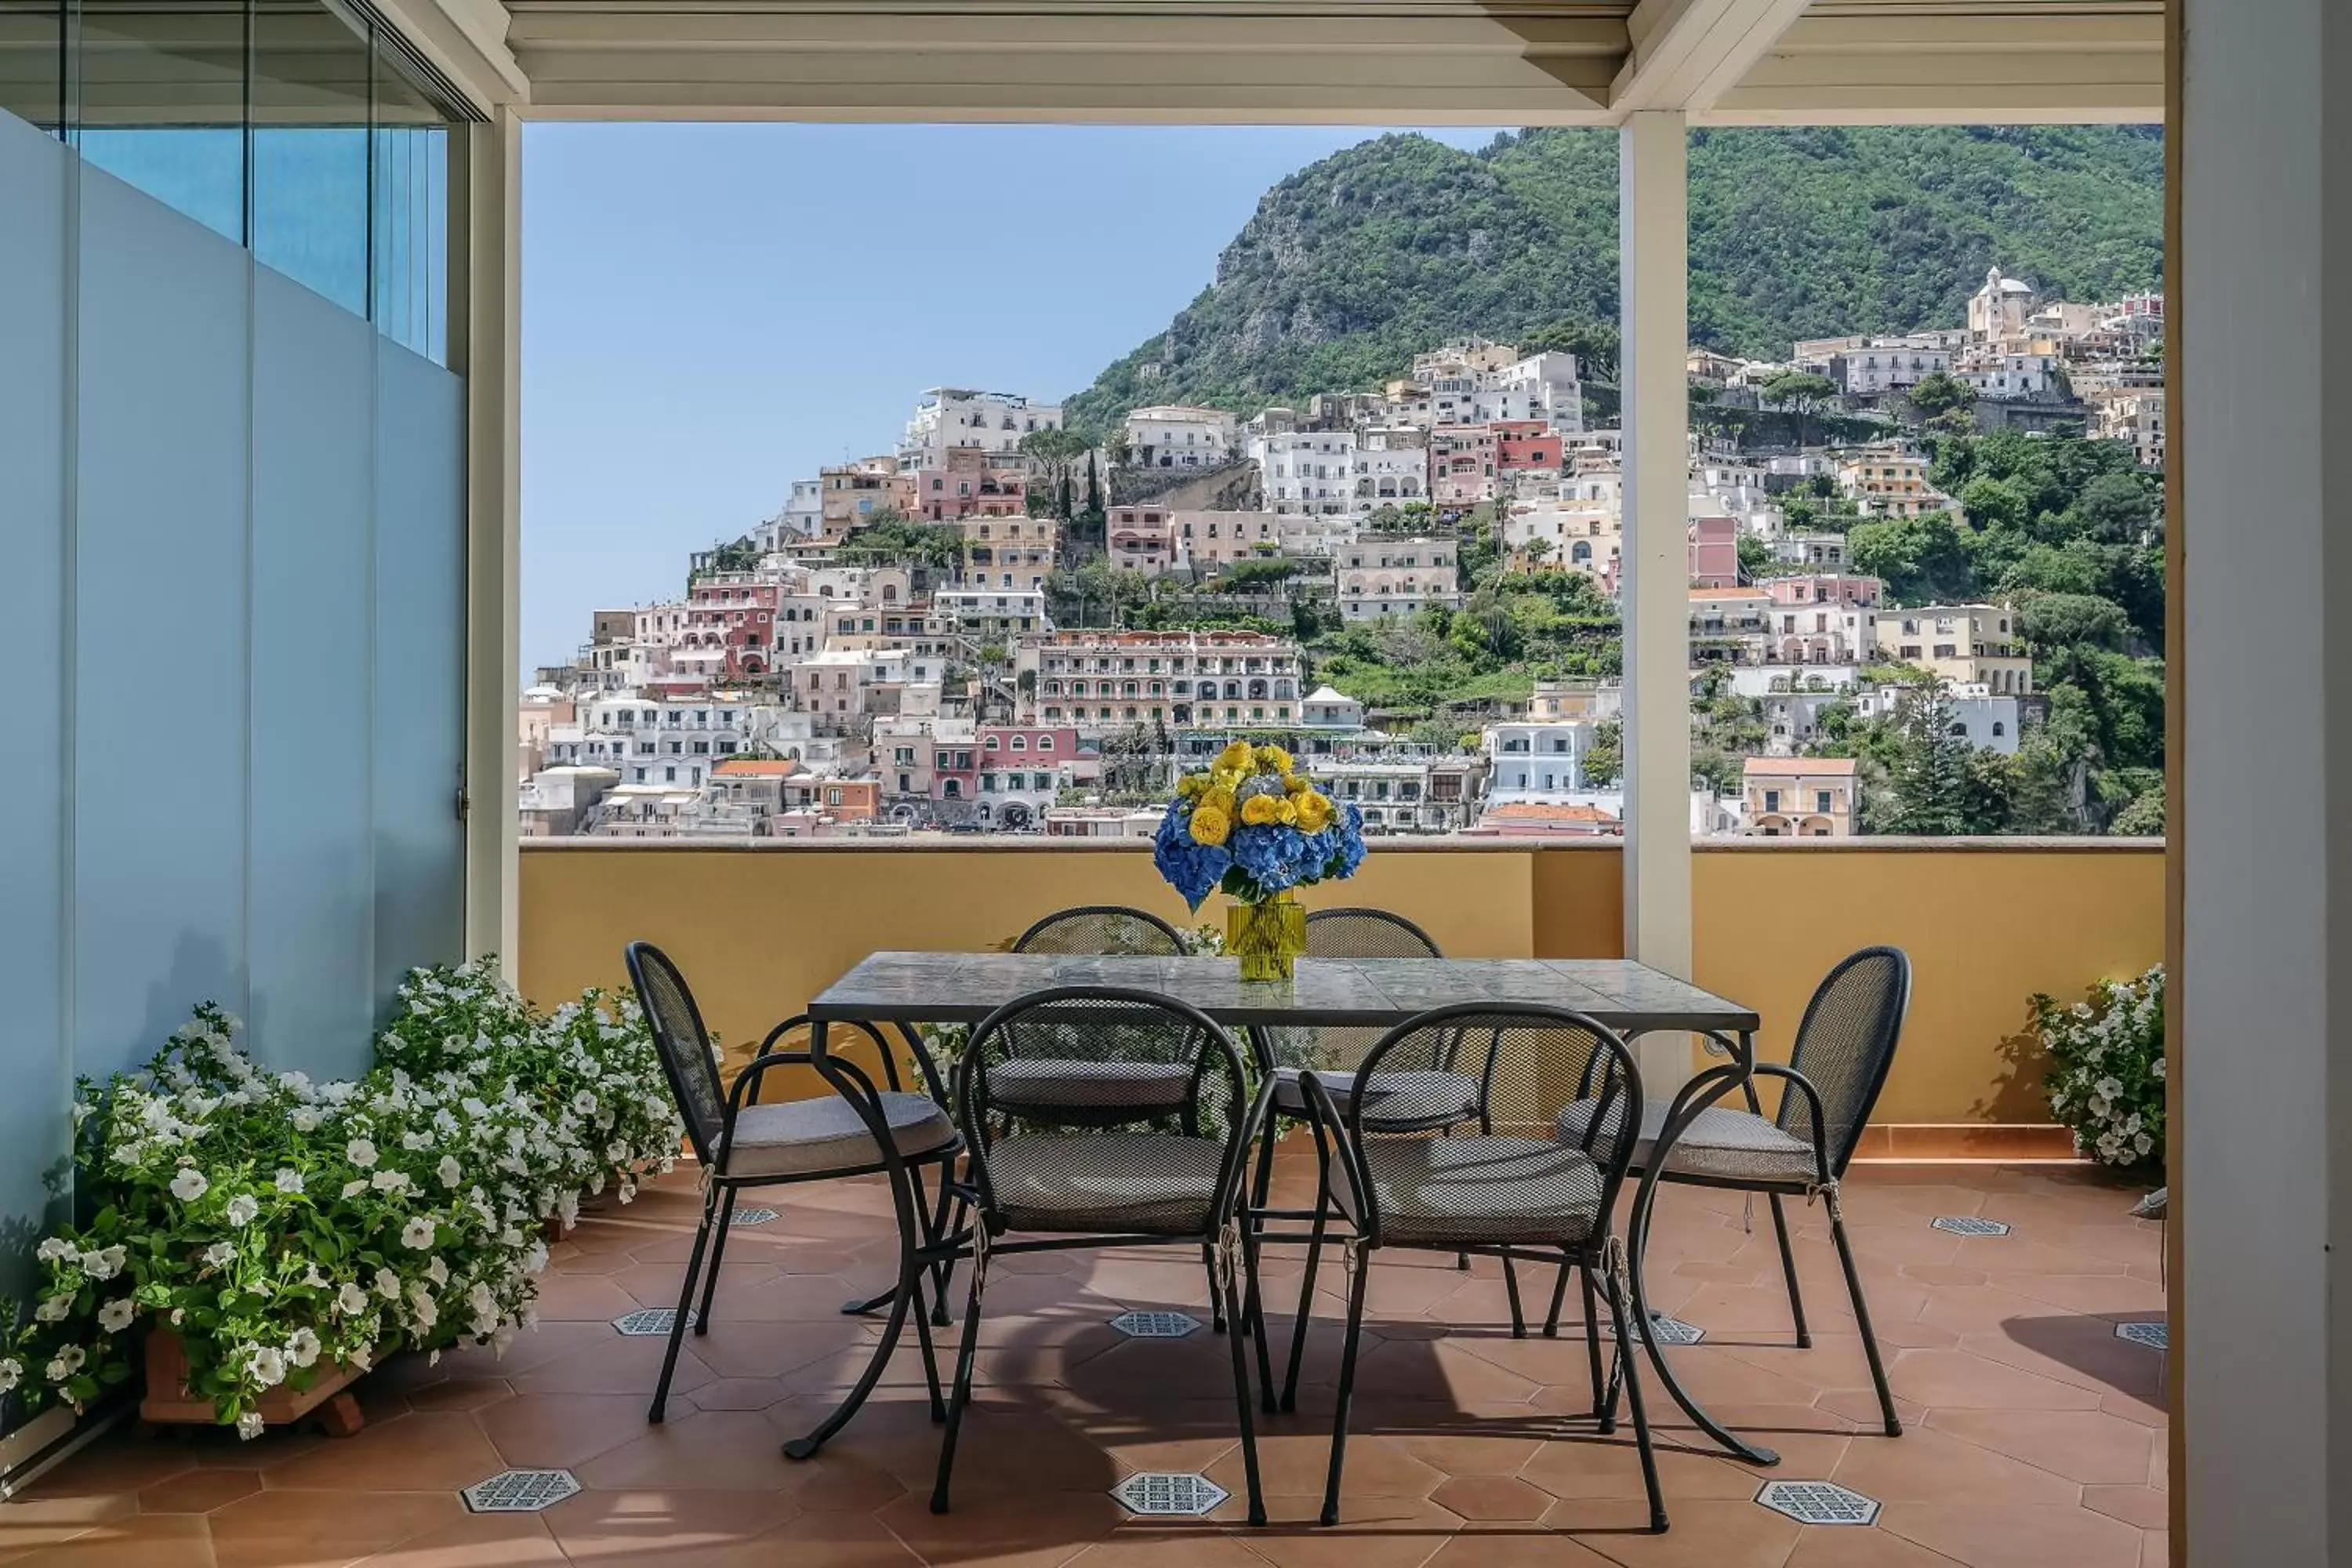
1685, 54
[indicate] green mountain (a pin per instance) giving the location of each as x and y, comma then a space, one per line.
1354, 263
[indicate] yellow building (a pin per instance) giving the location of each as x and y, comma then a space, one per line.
1888, 482
1971, 644
1800, 797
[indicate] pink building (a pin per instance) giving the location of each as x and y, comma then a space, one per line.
1714, 552
1462, 465
968, 484
1826, 589
1141, 538
1525, 446
731, 623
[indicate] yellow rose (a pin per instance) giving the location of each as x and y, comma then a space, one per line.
1298, 783
1314, 812
1221, 799
1192, 786
1258, 810
1284, 812
1273, 760
1210, 826
1234, 758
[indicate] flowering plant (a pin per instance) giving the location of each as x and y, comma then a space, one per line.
283, 1228
1253, 826
2105, 1078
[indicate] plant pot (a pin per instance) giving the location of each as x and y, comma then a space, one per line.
1267, 937
168, 1402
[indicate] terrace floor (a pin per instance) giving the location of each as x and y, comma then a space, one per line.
2033, 1434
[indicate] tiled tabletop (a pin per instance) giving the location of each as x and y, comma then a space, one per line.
964, 987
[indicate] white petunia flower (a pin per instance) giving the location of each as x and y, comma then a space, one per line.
387, 1284
104, 1263
450, 1171
54, 1310
290, 1181
302, 1349
189, 1184
65, 1363
355, 1187
53, 1249
360, 1152
305, 1121
248, 1426
438, 1271
389, 1181
12, 1372
350, 1300
417, 1234
115, 1316
220, 1255
242, 1209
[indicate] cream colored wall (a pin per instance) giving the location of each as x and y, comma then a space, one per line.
761, 930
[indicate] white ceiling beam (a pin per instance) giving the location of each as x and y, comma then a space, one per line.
465, 40
1685, 54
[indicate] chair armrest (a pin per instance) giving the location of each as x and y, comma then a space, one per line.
1799, 1083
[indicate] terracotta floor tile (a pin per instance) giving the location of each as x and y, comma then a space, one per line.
818, 1540
1003, 1530
560, 1430
1297, 1462
2086, 1446
199, 1491
2142, 1506
477, 1540
1532, 1548
150, 1540
279, 1529
1981, 1537
1372, 1532
720, 1449
1843, 1547
1491, 1498
1946, 1380
1196, 1545
2152, 1553
436, 1451
662, 1527
1929, 1465
1704, 1533
616, 1363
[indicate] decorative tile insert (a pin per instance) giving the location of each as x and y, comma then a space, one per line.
751, 1217
521, 1491
650, 1321
1662, 1330
1167, 1493
1155, 1325
1969, 1224
2155, 1336
1818, 1503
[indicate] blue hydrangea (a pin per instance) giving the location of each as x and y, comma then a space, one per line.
1256, 861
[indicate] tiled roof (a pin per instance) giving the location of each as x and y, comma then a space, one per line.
1539, 811
752, 767
1796, 767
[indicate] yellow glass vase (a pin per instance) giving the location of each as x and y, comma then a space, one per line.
1267, 937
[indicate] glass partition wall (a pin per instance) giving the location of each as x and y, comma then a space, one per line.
302, 130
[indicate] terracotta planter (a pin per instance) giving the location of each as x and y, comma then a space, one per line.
169, 1402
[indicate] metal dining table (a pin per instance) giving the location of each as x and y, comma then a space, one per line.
911, 989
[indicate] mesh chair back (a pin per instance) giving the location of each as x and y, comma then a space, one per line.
1366, 933
1845, 1046
1516, 1178
684, 1043
1101, 1073
1102, 929
1346, 933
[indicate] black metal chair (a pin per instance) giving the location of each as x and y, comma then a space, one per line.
1513, 1189
856, 1129
1101, 931
1067, 1171
1844, 1048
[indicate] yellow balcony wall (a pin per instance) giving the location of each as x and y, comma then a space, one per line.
760, 928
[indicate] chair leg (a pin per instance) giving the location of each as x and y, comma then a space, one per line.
1511, 1289
1253, 1313
1607, 1415
906, 1298
685, 1300
1241, 1399
1254, 1222
965, 1355
1894, 1424
1216, 1296
1559, 1299
1619, 1312
1347, 1386
718, 1251
1306, 1305
1789, 1271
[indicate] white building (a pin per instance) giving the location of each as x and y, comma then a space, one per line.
1390, 469
1308, 471
962, 416
1393, 792
1998, 310
1985, 721
2013, 376
1179, 436
1326, 707
1881, 365
802, 519
1543, 386
1382, 575
1537, 759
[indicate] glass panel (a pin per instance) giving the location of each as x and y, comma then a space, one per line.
158, 102
310, 149
412, 148
32, 62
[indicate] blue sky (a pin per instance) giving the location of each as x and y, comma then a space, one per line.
710, 311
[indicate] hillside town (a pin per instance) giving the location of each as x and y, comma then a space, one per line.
1006, 625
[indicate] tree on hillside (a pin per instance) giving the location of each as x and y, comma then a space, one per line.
1799, 392
1055, 455
1603, 764
1942, 393
1094, 486
1595, 344
1922, 559
1939, 785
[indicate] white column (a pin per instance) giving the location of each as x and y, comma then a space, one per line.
493, 367
1654, 232
2262, 1151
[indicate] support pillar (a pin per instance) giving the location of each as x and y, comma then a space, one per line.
1654, 230
491, 356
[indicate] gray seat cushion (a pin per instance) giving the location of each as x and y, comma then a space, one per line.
1450, 1191
1724, 1143
1418, 1098
808, 1137
1057, 1084
1105, 1184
